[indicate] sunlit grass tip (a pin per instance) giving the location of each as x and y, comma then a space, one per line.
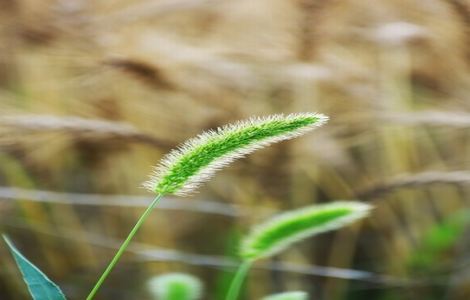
294, 295
175, 286
279, 232
182, 170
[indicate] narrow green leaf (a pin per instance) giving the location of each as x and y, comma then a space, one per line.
40, 287
282, 230
295, 295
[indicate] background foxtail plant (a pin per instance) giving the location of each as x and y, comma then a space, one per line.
176, 286
281, 231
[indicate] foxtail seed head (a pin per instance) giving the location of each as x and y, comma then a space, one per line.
194, 162
175, 286
279, 232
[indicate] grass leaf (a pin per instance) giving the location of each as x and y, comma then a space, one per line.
287, 228
39, 285
176, 286
194, 162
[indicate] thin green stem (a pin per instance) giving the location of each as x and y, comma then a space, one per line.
237, 281
123, 247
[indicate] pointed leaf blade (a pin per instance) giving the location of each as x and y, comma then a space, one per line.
39, 285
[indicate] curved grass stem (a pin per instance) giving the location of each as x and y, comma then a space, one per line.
123, 247
237, 281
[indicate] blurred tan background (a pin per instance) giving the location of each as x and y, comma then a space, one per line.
93, 93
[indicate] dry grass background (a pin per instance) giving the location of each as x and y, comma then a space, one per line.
93, 93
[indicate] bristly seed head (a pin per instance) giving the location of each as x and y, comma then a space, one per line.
176, 286
279, 232
194, 162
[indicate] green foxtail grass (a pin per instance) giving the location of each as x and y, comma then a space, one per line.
175, 286
281, 231
294, 295
195, 161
